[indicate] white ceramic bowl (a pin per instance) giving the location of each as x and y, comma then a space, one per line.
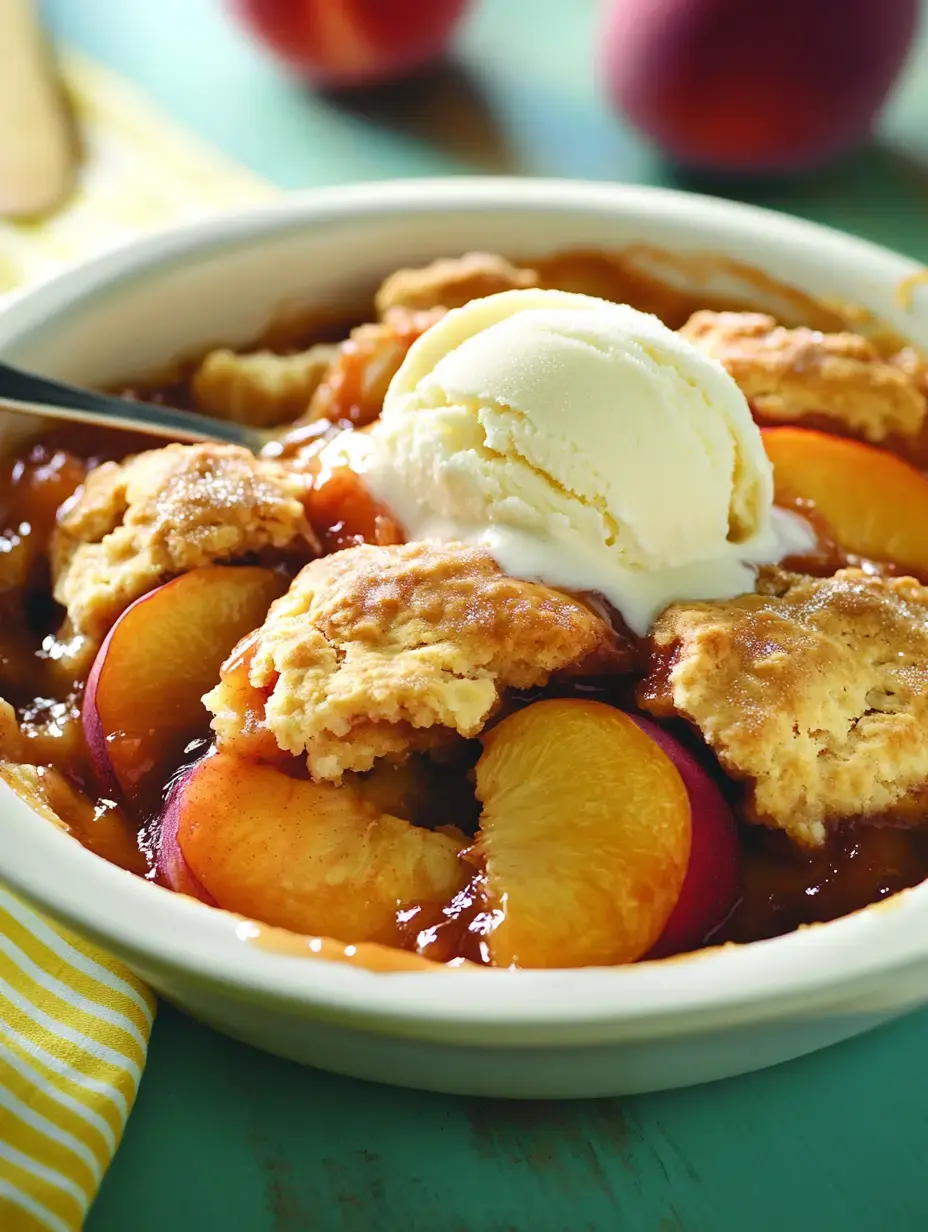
587, 1032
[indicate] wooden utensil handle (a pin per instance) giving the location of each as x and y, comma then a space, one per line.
38, 150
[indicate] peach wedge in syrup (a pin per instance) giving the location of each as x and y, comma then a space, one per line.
875, 504
712, 883
585, 836
143, 701
309, 857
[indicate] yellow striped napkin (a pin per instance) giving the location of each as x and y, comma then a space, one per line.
74, 1029
74, 1024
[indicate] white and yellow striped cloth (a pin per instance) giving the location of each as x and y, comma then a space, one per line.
74, 1024
74, 1029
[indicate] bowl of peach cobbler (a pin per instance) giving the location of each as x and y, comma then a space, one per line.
543, 710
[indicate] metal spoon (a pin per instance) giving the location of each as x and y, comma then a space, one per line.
28, 394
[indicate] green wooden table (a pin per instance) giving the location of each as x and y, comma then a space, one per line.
226, 1138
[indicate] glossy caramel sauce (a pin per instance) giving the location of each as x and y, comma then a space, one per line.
782, 886
343, 512
366, 954
458, 931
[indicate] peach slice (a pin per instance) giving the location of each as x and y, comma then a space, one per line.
876, 504
238, 709
310, 857
713, 875
585, 836
143, 704
172, 866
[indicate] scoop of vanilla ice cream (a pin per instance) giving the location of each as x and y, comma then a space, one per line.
586, 445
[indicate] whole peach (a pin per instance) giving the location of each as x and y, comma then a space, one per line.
353, 42
749, 86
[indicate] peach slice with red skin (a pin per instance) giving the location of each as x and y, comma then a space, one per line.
875, 503
172, 866
713, 876
143, 702
585, 836
309, 857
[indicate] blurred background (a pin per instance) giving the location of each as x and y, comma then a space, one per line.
779, 104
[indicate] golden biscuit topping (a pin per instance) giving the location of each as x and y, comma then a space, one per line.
262, 389
377, 650
797, 374
814, 691
135, 524
451, 282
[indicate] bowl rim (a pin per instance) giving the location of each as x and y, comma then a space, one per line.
810, 969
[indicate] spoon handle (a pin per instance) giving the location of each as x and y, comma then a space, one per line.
26, 393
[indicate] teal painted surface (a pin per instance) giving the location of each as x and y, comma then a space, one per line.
225, 1138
